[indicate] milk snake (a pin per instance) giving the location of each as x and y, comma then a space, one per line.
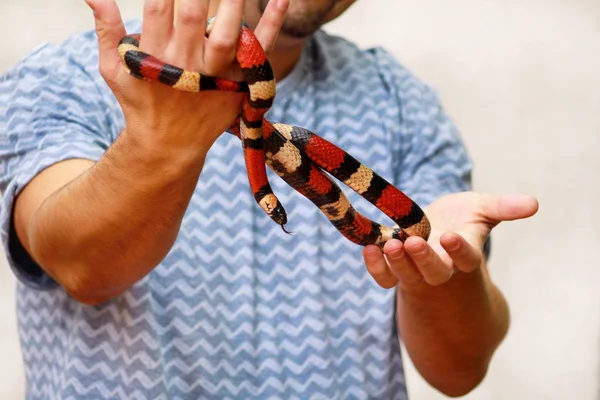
297, 155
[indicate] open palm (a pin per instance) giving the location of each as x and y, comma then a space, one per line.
461, 223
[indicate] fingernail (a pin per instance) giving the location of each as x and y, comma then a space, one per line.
394, 254
90, 5
419, 249
453, 244
281, 4
370, 250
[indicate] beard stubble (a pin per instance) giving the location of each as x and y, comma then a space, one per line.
304, 17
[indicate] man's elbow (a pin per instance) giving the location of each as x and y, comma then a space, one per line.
85, 283
90, 292
86, 288
459, 383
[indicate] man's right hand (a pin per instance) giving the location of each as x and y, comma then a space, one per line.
174, 31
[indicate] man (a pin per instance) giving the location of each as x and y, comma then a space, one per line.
147, 270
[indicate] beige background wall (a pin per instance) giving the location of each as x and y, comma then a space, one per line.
522, 81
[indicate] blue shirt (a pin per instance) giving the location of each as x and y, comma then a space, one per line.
238, 309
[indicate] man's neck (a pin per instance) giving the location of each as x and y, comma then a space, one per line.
284, 57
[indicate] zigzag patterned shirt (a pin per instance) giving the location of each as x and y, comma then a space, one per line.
238, 309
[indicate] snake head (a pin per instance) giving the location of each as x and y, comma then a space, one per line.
279, 215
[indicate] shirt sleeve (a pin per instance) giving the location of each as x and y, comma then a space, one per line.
431, 158
51, 109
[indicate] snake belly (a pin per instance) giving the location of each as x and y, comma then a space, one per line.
303, 159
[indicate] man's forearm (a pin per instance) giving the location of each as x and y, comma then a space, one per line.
113, 224
451, 331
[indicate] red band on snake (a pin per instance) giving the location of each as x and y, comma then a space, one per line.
300, 157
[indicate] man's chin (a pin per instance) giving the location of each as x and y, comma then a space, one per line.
296, 29
298, 34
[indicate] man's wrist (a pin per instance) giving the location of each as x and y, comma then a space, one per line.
163, 152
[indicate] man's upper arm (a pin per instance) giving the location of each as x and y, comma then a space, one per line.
54, 124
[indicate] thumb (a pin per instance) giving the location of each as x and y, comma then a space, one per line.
508, 207
110, 30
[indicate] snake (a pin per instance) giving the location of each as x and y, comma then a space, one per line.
304, 160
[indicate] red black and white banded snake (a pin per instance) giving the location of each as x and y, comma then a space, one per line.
297, 155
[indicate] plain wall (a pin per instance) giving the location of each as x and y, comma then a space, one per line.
522, 81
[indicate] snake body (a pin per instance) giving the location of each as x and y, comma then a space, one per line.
300, 157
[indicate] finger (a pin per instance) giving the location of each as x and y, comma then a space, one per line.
401, 265
110, 30
224, 34
508, 207
378, 268
429, 263
270, 23
190, 27
464, 256
157, 25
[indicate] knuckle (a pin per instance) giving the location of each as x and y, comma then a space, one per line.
192, 16
272, 24
107, 72
435, 281
222, 43
235, 3
156, 8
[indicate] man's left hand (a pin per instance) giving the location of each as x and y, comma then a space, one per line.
461, 223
